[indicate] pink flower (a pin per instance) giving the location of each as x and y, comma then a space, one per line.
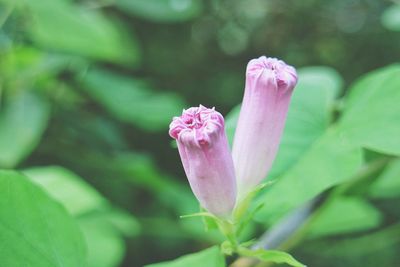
206, 158
269, 86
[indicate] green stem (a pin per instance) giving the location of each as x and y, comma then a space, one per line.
229, 230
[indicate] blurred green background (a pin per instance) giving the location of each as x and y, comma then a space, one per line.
88, 88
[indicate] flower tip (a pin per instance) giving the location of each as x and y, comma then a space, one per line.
197, 125
266, 68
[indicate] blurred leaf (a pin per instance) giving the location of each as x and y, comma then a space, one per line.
34, 229
63, 26
122, 221
162, 10
316, 79
331, 160
271, 256
370, 250
28, 65
140, 171
371, 116
230, 123
388, 183
73, 192
132, 100
309, 115
391, 18
345, 215
106, 248
155, 228
22, 123
211, 257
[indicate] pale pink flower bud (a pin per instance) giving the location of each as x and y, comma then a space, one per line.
206, 158
268, 89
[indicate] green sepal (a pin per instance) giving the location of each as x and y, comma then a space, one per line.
198, 214
249, 243
247, 219
270, 256
244, 203
209, 223
226, 227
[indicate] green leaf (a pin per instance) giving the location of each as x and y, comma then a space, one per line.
73, 192
391, 18
309, 115
34, 229
345, 215
132, 100
372, 112
63, 26
331, 160
271, 256
388, 183
210, 257
106, 248
162, 10
80, 198
102, 227
22, 123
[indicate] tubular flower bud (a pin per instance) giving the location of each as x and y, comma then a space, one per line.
206, 158
268, 89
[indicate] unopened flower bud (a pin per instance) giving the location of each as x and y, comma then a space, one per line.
206, 158
268, 89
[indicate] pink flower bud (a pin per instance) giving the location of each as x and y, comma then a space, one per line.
269, 86
206, 158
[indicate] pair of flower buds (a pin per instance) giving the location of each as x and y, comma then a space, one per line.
218, 178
